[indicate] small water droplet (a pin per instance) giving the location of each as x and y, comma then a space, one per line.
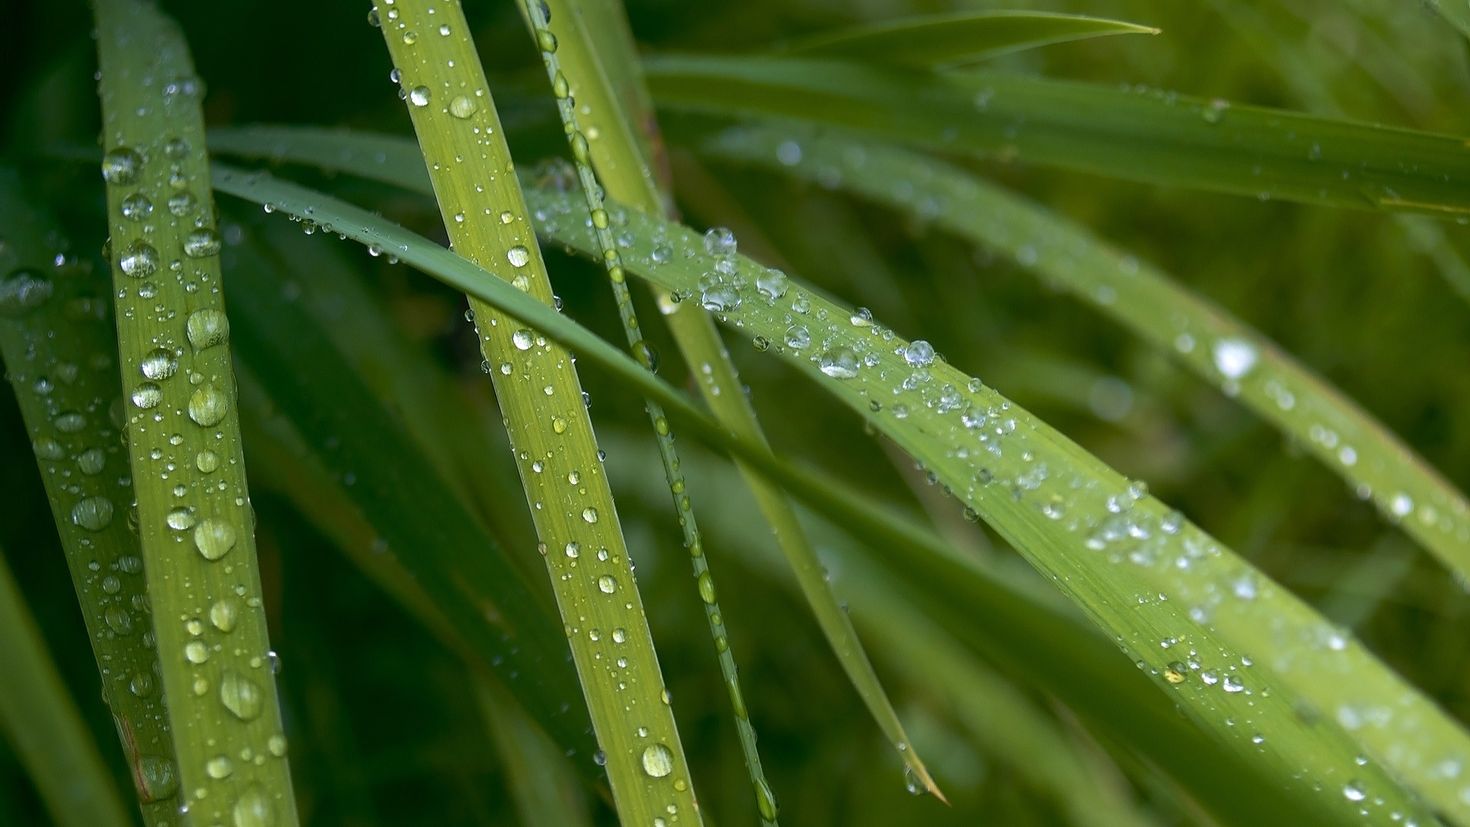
201, 243
518, 256
919, 353
607, 584
121, 166
24, 290
463, 106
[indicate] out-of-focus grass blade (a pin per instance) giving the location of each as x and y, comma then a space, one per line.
957, 38
1457, 12
545, 791
1242, 656
581, 539
1136, 134
39, 718
1217, 347
60, 350
194, 517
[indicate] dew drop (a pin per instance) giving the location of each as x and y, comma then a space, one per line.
181, 518
839, 363
720, 241
207, 406
225, 614
241, 696
253, 809
92, 513
419, 96
607, 584
214, 538
207, 327
22, 291
219, 767
160, 363
121, 166
657, 761
462, 106
139, 259
589, 514
919, 353
518, 256
136, 207
147, 395
522, 339
1234, 358
201, 243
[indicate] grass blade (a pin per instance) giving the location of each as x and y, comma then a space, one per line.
1456, 12
625, 167
581, 539
38, 715
66, 386
1217, 347
1150, 136
1254, 655
194, 515
957, 38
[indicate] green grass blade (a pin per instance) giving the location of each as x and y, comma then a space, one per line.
1216, 346
545, 791
957, 38
537, 20
67, 387
194, 516
625, 168
38, 716
1457, 12
464, 147
1150, 136
1251, 656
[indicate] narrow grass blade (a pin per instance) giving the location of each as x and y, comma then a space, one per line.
957, 38
464, 147
1241, 656
60, 346
625, 168
1217, 347
1141, 135
39, 718
194, 516
537, 17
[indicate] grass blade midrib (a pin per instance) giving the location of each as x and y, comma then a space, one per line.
194, 516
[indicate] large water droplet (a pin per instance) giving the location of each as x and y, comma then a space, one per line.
214, 538
24, 290
160, 363
253, 809
136, 207
463, 106
419, 96
241, 696
207, 405
839, 363
225, 614
719, 241
518, 256
201, 243
657, 761
919, 353
93, 513
207, 328
139, 259
156, 778
121, 166
147, 395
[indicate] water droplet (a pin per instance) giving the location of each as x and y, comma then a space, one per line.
181, 518
1234, 357
207, 327
160, 363
241, 696
1175, 672
121, 166
196, 652
706, 587
1401, 505
69, 422
919, 353
207, 461
518, 256
765, 800
589, 514
719, 241
607, 584
276, 745
219, 767
225, 614
253, 809
22, 291
657, 761
201, 243
839, 363
136, 207
214, 538
522, 339
1353, 791
181, 204
139, 259
772, 284
91, 461
208, 405
156, 777
798, 337
463, 106
92, 513
147, 395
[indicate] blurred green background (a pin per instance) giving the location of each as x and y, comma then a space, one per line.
385, 727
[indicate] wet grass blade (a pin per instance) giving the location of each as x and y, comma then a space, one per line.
67, 387
599, 62
957, 38
463, 145
1140, 135
40, 720
634, 176
194, 515
1241, 656
1217, 347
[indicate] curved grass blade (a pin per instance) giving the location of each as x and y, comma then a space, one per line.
1150, 136
1219, 348
1241, 656
957, 38
464, 147
194, 516
38, 715
60, 346
625, 168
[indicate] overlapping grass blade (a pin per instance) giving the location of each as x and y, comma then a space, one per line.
194, 516
1216, 346
464, 147
544, 788
957, 39
1136, 134
39, 718
60, 351
597, 65
1243, 657
537, 18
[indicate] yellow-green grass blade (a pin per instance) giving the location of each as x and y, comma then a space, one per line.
194, 516
957, 38
1143, 135
1457, 12
537, 17
1219, 348
1241, 656
38, 717
593, 76
463, 145
60, 351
